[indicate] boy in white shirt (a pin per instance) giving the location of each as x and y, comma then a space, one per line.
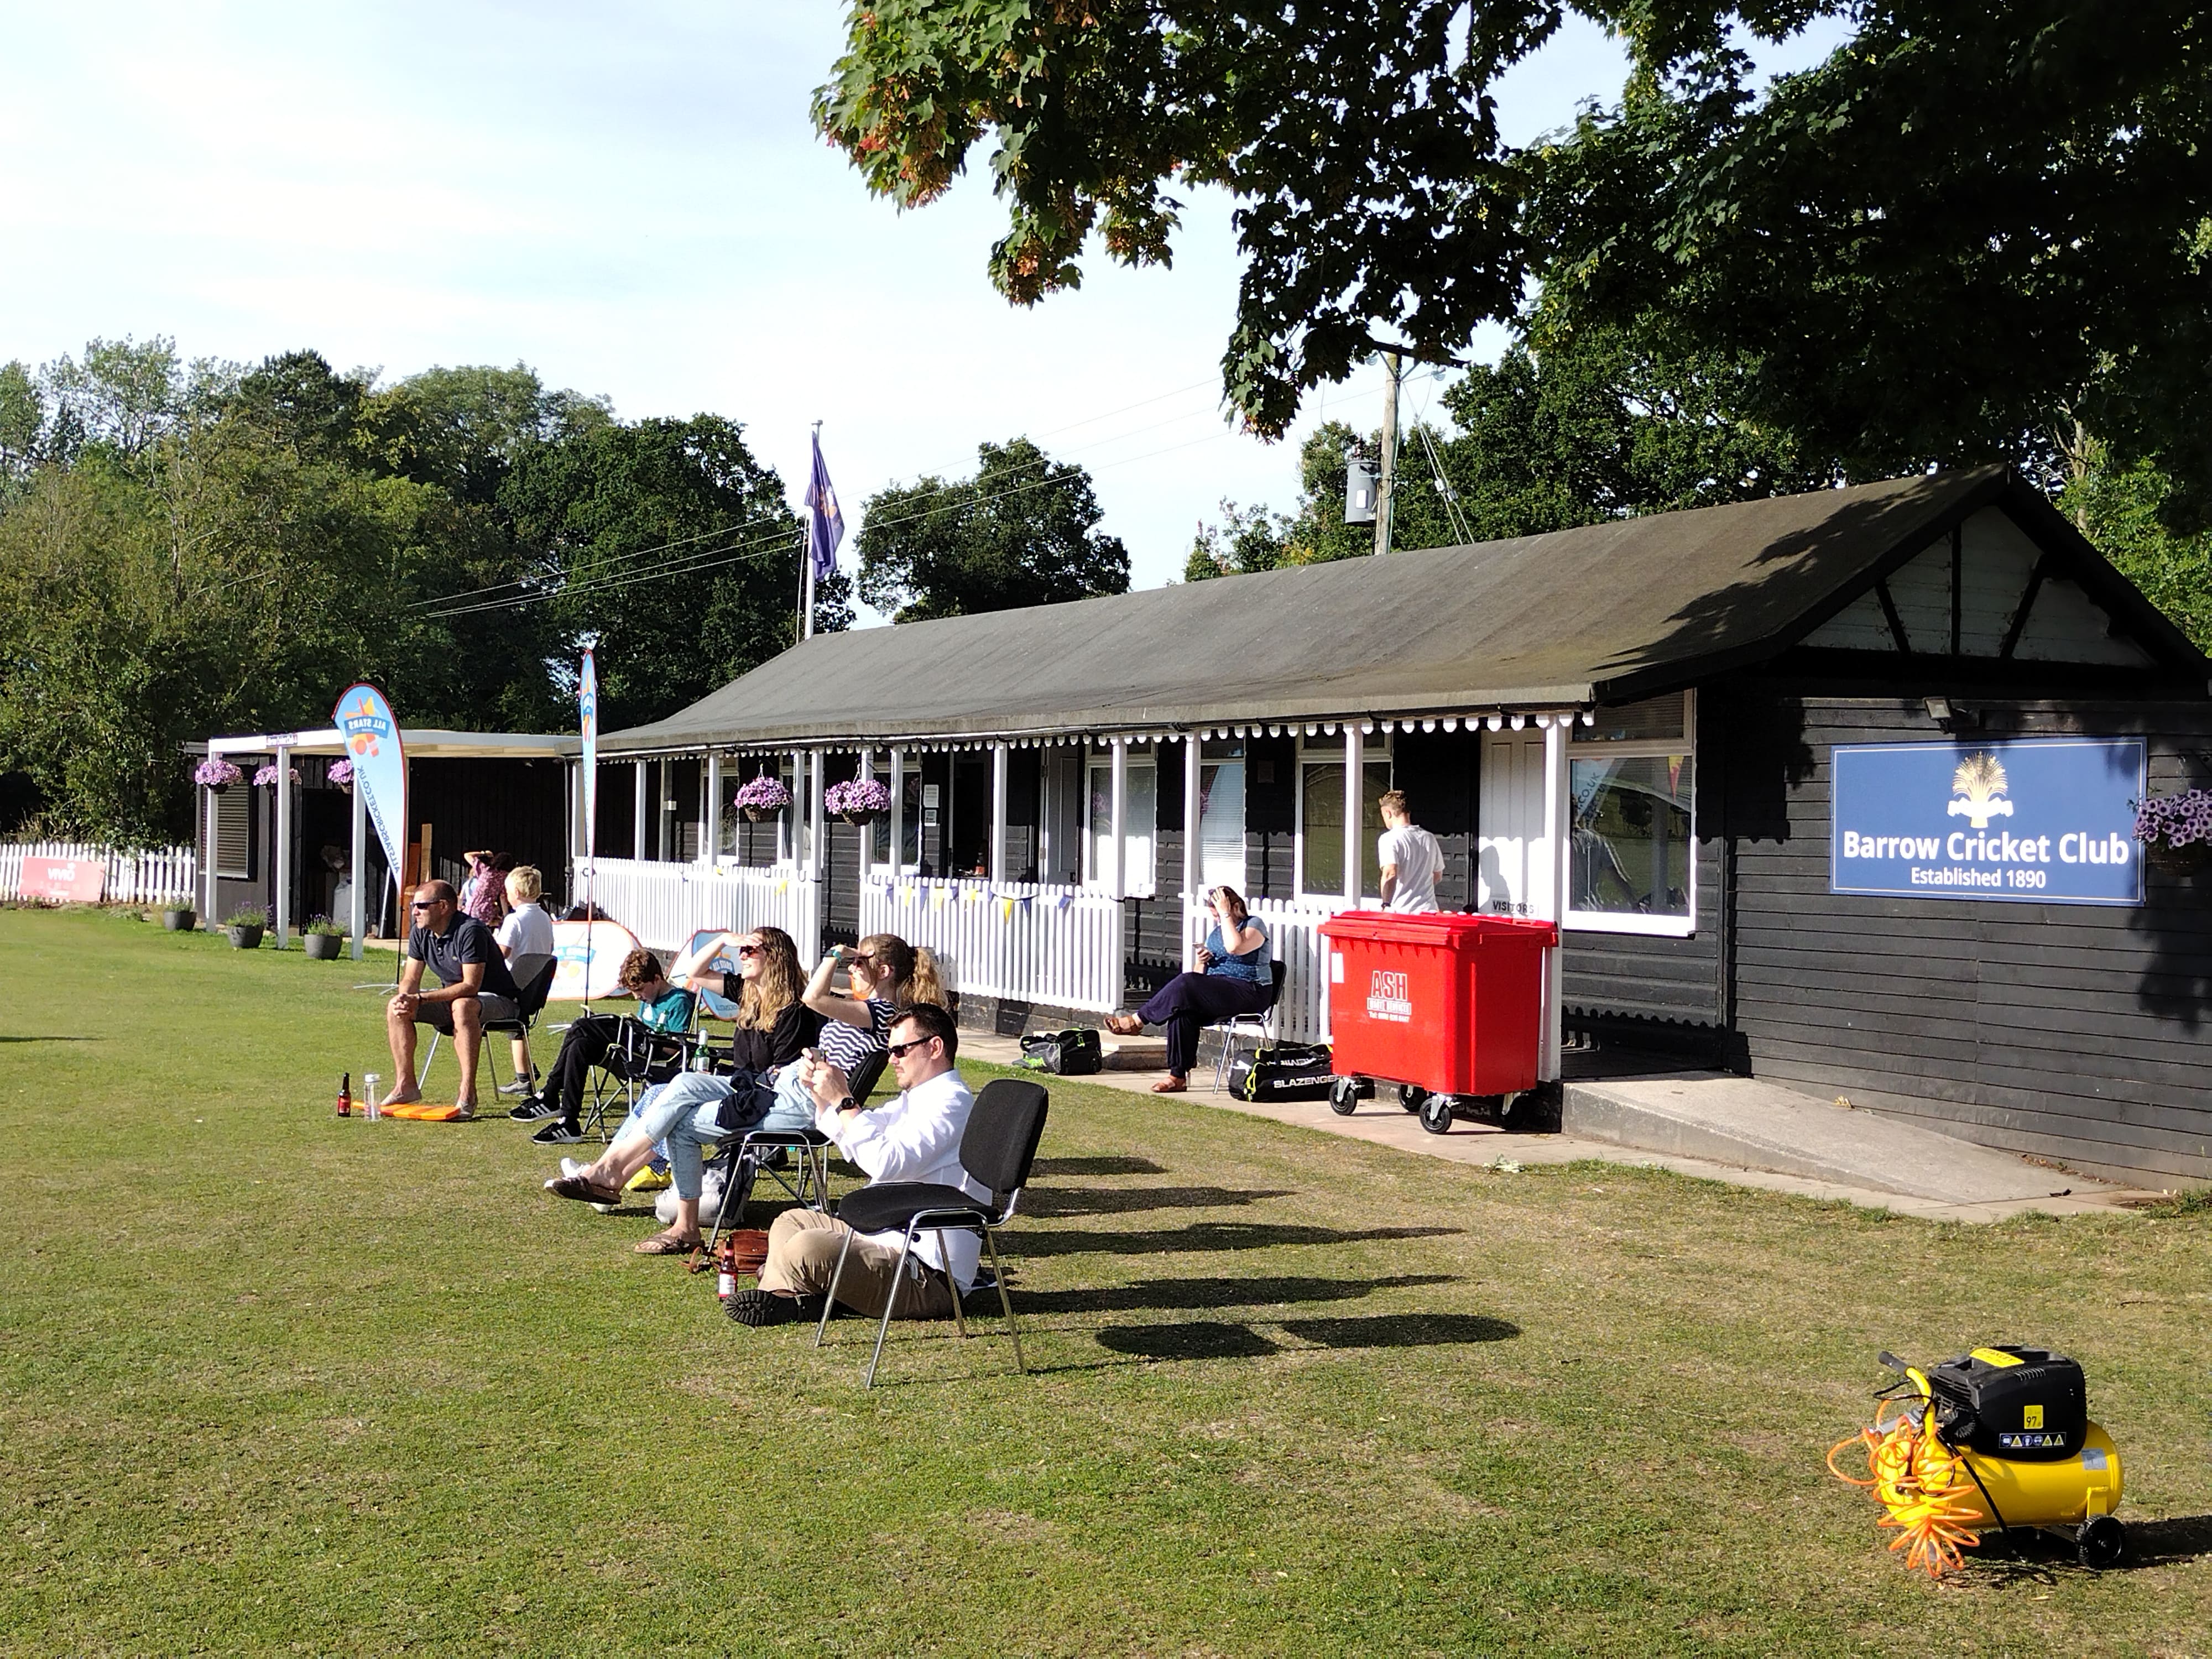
1410, 858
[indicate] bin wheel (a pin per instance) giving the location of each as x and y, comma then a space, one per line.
1411, 1095
2101, 1541
1436, 1114
1344, 1096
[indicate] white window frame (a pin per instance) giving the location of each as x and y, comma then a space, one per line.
1375, 747
1243, 760
1143, 881
1629, 922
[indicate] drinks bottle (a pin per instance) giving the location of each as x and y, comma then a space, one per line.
345, 1095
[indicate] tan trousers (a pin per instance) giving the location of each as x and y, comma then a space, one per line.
802, 1257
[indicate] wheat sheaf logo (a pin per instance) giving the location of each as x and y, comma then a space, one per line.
1976, 787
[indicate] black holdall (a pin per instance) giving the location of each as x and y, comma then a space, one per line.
1072, 1053
1289, 1071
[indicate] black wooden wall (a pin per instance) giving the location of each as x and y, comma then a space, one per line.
2073, 1032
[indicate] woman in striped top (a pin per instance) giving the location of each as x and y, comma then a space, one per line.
888, 975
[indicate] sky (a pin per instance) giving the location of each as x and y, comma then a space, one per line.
633, 201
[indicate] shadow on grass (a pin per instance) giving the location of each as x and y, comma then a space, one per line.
1207, 1339
1212, 1236
1204, 1293
1096, 1166
1123, 1201
2176, 1538
52, 1039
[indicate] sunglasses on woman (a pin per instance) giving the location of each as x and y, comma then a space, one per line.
751, 949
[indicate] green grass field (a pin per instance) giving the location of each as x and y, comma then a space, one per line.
270, 1382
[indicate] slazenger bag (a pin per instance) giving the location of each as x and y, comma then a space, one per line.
1289, 1071
1072, 1053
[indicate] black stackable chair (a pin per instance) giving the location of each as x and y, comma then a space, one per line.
998, 1146
531, 992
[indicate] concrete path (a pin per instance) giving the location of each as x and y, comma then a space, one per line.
1958, 1181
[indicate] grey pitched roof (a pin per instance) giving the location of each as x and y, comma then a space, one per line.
1625, 607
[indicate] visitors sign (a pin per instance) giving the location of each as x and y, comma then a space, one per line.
2035, 820
71, 881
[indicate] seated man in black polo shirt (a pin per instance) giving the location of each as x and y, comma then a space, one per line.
477, 986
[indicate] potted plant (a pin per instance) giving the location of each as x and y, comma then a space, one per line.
322, 939
179, 918
341, 774
215, 774
863, 800
2176, 830
267, 775
762, 797
245, 927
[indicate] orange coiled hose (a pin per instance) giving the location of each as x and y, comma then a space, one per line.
1919, 1481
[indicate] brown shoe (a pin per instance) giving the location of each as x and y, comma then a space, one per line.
1124, 1024
1170, 1086
583, 1188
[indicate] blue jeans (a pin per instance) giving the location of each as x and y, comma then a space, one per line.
683, 1115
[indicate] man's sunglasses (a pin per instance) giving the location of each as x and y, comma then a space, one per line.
424, 904
899, 1050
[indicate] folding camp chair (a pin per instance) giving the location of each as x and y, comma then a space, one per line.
638, 1059
1260, 1026
753, 1152
1001, 1144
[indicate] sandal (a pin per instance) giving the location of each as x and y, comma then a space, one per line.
670, 1242
1124, 1024
1171, 1085
583, 1187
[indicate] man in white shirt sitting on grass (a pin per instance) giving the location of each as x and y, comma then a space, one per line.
915, 1138
1410, 858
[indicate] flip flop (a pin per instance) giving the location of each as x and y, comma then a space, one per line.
582, 1189
668, 1244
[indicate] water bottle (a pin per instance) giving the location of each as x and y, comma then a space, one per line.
370, 1109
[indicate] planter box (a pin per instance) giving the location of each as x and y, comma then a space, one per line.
245, 939
323, 947
179, 920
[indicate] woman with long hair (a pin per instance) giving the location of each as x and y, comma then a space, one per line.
1234, 977
699, 1109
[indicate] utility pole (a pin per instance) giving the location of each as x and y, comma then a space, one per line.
1386, 492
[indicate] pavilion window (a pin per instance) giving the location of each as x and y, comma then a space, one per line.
1631, 787
233, 833
1141, 812
1221, 814
1321, 814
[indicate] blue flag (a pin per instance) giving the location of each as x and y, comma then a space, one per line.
365, 721
825, 524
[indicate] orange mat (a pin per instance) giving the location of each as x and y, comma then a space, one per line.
421, 1111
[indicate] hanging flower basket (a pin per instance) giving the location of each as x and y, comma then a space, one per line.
341, 774
267, 774
762, 797
215, 774
863, 800
2176, 830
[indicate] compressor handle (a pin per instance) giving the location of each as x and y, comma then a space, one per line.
1886, 1358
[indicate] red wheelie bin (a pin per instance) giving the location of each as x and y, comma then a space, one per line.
1450, 1008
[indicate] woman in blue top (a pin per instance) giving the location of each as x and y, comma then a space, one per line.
1234, 977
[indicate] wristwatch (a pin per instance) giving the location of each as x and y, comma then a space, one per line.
847, 1104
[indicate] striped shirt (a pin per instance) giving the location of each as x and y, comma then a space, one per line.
846, 1046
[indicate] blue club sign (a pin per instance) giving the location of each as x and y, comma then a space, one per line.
2038, 820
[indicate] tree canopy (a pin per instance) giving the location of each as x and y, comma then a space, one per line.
1021, 531
187, 549
1975, 230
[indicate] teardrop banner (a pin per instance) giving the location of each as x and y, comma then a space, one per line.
371, 734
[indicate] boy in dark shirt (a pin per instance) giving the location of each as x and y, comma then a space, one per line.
476, 987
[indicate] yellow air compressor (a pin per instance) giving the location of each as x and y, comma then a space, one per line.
1997, 1440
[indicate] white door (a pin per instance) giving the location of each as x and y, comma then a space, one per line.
1510, 859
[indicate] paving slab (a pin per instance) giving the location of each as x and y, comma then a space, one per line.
1382, 1122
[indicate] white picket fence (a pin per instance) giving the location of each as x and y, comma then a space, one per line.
664, 904
144, 877
1022, 940
1294, 939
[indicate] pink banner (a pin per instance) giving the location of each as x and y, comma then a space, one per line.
73, 881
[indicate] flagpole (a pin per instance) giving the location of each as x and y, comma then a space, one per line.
806, 558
